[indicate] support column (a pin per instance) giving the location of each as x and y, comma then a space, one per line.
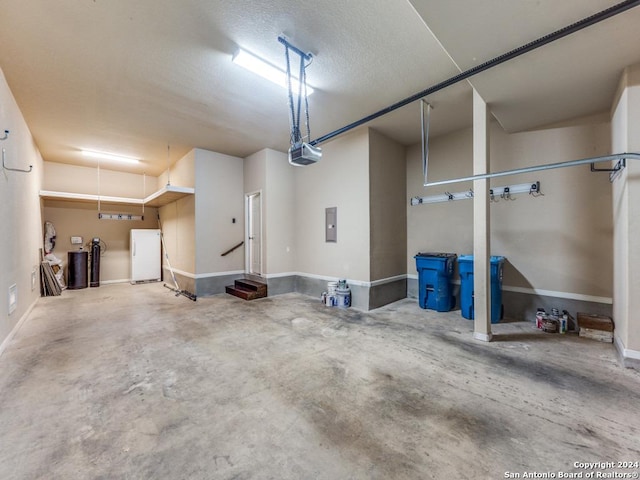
481, 222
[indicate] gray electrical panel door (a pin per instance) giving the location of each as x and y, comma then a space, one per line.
331, 224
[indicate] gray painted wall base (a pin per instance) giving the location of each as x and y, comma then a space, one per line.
280, 285
214, 285
362, 297
381, 295
628, 362
315, 286
184, 282
523, 306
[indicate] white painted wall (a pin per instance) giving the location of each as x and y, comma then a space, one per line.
178, 218
81, 219
279, 210
625, 123
340, 180
60, 177
255, 180
387, 207
560, 242
219, 196
20, 214
440, 227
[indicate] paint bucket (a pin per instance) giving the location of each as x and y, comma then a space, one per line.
343, 297
330, 300
331, 288
550, 325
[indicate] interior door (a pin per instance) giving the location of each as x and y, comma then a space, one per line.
254, 240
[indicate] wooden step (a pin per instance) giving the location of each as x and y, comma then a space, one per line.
252, 285
247, 289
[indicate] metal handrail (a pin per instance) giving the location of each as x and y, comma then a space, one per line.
232, 249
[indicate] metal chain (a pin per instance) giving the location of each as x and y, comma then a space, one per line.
294, 116
306, 103
290, 89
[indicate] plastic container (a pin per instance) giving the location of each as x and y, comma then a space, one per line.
465, 268
435, 271
78, 262
343, 297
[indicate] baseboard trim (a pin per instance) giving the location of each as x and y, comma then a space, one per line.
483, 337
625, 352
15, 329
113, 282
555, 294
198, 276
542, 293
358, 283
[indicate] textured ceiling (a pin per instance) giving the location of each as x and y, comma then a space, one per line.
132, 77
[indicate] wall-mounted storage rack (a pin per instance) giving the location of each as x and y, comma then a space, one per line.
495, 194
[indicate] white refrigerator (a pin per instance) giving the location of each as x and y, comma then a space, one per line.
146, 255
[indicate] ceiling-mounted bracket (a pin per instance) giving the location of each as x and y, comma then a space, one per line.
300, 152
618, 166
307, 56
613, 172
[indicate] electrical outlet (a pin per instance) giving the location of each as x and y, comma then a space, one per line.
76, 240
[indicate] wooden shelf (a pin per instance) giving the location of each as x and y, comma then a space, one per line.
160, 198
167, 195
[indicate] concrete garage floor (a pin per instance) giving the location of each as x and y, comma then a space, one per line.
131, 382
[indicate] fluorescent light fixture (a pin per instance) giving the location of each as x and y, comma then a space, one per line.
110, 156
266, 70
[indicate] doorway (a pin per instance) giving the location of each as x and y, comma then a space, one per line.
254, 233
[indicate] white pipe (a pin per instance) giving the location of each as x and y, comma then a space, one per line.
537, 168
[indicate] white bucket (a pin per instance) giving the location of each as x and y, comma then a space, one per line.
343, 297
331, 288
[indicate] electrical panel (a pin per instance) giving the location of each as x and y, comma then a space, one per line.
331, 224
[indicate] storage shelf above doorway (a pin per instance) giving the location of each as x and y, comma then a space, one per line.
160, 198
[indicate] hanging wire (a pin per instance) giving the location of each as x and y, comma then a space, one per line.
292, 115
306, 100
295, 110
425, 120
300, 80
98, 187
144, 189
168, 165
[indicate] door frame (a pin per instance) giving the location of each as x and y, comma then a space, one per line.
247, 260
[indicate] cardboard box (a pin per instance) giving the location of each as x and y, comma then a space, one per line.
595, 322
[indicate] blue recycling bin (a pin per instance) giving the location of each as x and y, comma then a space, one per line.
465, 268
435, 271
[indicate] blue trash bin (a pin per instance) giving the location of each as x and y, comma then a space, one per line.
435, 271
465, 268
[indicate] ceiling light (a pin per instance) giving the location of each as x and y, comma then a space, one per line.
110, 156
265, 70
